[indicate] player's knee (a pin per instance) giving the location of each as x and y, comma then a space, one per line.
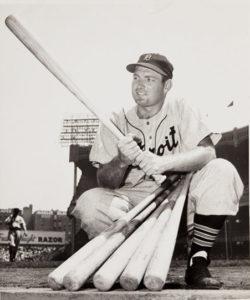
222, 167
89, 210
223, 173
87, 204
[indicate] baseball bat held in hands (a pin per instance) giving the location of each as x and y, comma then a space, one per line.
43, 56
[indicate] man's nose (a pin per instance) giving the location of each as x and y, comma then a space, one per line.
141, 83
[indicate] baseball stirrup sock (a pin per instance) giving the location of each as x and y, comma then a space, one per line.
206, 229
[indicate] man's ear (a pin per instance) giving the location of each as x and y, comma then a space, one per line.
167, 85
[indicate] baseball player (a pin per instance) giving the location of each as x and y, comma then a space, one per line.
16, 223
161, 135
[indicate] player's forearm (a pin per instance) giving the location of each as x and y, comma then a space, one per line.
111, 175
189, 161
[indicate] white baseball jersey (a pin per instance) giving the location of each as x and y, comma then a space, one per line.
175, 128
18, 222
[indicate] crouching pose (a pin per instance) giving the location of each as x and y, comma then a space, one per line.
161, 135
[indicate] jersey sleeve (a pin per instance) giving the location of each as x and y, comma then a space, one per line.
193, 127
104, 148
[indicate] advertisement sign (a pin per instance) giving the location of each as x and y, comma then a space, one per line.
37, 238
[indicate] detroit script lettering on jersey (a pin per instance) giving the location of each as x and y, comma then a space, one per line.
177, 127
170, 143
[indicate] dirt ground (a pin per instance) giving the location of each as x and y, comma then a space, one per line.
234, 275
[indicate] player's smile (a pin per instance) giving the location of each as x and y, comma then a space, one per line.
141, 94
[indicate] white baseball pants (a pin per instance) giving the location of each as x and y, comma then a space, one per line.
214, 190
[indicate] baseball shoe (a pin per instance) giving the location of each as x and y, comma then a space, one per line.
198, 276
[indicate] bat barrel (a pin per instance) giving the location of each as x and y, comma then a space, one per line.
106, 276
157, 270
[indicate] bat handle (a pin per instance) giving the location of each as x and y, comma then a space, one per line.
159, 179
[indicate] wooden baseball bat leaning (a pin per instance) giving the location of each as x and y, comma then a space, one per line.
135, 269
106, 276
159, 264
43, 56
55, 278
76, 278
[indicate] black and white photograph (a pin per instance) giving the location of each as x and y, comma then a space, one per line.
124, 149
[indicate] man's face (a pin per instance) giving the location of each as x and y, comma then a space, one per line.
147, 87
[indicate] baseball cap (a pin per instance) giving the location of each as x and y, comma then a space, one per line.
157, 62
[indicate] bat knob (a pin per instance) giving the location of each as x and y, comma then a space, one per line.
159, 179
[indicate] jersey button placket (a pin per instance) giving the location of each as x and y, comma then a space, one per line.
150, 140
148, 133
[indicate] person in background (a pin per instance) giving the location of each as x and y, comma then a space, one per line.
16, 224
